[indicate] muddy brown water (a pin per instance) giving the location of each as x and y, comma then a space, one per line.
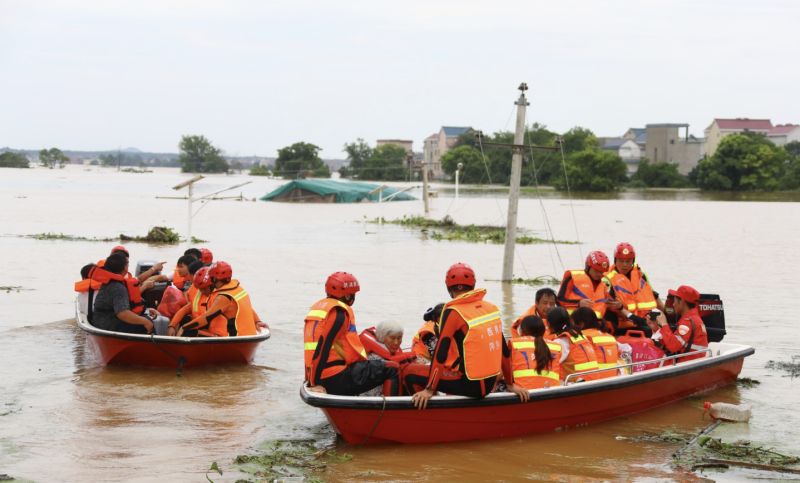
64, 417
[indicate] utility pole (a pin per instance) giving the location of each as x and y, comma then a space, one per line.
425, 187
513, 191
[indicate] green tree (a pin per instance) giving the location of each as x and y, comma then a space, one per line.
198, 155
791, 169
473, 170
743, 162
52, 157
14, 160
593, 170
357, 155
659, 175
385, 163
300, 160
259, 170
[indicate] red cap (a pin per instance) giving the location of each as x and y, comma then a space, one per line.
120, 248
686, 293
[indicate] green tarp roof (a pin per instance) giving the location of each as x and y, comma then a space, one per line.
344, 191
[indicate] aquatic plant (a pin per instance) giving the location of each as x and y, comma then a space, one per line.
63, 236
792, 367
157, 234
290, 458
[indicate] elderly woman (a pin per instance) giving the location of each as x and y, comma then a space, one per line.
383, 342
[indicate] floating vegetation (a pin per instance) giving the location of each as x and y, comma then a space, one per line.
537, 281
747, 383
157, 234
290, 458
792, 367
136, 170
666, 436
449, 230
5, 477
63, 236
215, 468
198, 240
13, 288
744, 450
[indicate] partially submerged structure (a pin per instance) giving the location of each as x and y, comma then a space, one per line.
334, 191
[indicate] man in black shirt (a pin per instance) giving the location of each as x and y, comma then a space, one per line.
112, 309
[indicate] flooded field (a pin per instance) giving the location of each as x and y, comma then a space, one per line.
63, 417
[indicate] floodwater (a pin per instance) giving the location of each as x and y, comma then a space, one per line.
63, 417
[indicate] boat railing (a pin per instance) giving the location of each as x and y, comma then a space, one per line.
576, 375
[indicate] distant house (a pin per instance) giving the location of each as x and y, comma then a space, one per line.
720, 128
666, 145
782, 134
439, 143
630, 147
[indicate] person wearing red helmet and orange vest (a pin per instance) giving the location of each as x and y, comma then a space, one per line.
577, 352
545, 300
198, 304
229, 312
335, 359
628, 285
690, 334
206, 256
471, 352
535, 361
585, 288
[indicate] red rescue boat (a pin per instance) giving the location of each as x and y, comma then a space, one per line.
368, 420
165, 351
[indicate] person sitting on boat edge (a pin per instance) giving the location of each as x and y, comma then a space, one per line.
335, 360
690, 334
112, 306
198, 304
472, 351
535, 361
181, 277
577, 352
230, 311
545, 300
86, 288
426, 338
607, 349
585, 288
629, 285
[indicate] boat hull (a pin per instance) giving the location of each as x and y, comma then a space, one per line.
114, 348
502, 415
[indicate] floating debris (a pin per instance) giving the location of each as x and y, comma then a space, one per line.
63, 236
666, 436
536, 281
290, 459
5, 477
13, 288
157, 234
449, 230
198, 240
747, 383
792, 367
136, 170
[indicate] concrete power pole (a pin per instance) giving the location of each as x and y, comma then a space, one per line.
425, 187
513, 192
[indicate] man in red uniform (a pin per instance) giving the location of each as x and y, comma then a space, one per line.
585, 288
690, 334
471, 352
629, 287
336, 361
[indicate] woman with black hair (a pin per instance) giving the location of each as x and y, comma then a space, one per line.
577, 352
535, 362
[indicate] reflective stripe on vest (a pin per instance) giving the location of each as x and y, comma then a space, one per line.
603, 339
532, 373
483, 319
582, 366
310, 346
524, 344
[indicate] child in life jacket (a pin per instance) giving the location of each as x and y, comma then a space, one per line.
426, 338
535, 361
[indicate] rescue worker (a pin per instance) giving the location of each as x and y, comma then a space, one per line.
690, 334
426, 338
181, 277
472, 351
545, 300
112, 305
577, 352
535, 362
198, 304
585, 288
606, 348
335, 360
628, 285
230, 312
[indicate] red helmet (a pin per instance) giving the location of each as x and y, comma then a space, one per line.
341, 284
201, 278
625, 251
220, 271
459, 274
597, 260
120, 248
206, 256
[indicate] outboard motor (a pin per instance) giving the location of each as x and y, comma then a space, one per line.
711, 311
152, 297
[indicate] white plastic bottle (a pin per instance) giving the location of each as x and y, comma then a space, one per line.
728, 412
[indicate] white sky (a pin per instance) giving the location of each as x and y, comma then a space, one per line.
256, 76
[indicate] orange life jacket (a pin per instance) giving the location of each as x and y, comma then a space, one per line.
372, 345
606, 350
87, 284
417, 345
531, 311
582, 287
523, 364
102, 276
483, 344
242, 322
346, 348
581, 357
181, 281
634, 293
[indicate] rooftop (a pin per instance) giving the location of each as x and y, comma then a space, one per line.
454, 130
742, 123
781, 129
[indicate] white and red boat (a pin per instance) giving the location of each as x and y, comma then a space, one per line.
166, 351
368, 420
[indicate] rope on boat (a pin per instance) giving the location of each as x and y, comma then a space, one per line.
377, 421
180, 360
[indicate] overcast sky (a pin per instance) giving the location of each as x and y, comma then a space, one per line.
256, 76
